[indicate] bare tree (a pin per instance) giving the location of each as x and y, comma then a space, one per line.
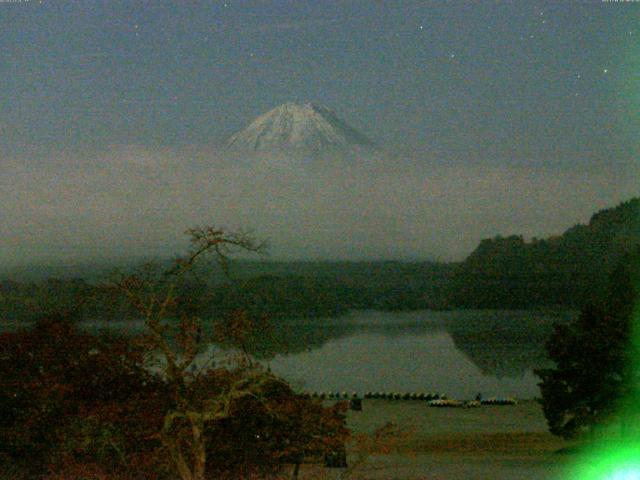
178, 338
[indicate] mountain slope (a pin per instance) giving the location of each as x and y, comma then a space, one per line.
306, 130
567, 270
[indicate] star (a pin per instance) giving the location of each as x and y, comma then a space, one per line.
605, 70
578, 76
453, 55
421, 27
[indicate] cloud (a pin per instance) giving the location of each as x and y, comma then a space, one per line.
131, 200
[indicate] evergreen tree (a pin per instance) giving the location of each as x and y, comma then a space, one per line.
595, 373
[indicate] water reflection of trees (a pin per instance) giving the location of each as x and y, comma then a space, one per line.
501, 344
289, 337
504, 344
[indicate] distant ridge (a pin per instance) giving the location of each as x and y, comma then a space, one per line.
568, 270
300, 130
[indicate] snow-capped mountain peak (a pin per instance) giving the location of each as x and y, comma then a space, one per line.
307, 129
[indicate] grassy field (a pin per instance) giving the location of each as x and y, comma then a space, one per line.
489, 442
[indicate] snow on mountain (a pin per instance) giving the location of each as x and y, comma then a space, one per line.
306, 130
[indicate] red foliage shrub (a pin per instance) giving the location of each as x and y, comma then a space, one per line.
265, 432
83, 406
68, 397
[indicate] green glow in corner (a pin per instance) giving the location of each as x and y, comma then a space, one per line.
619, 461
632, 473
615, 456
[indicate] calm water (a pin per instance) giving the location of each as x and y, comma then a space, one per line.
459, 353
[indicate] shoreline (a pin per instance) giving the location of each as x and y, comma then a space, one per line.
509, 442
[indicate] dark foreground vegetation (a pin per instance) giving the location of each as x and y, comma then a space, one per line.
75, 405
595, 380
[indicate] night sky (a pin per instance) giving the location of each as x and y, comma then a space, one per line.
497, 117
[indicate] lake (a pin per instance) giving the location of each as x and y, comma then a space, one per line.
459, 353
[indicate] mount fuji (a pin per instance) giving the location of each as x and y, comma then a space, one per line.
307, 130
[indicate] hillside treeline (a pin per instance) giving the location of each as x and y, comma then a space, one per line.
265, 289
504, 273
567, 271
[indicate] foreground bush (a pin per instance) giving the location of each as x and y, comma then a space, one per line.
83, 406
72, 401
595, 379
68, 397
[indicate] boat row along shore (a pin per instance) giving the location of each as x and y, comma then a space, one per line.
432, 399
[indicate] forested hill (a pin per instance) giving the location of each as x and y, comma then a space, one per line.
567, 270
502, 273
